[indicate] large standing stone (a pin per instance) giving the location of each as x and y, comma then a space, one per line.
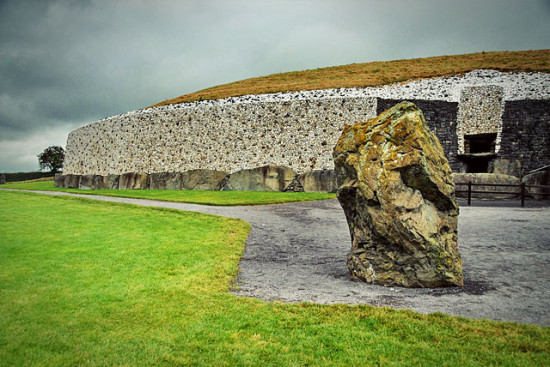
396, 189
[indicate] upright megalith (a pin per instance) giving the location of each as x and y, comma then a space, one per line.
396, 190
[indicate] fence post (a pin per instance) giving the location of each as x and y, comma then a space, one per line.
522, 194
469, 193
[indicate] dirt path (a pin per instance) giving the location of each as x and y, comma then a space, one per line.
297, 252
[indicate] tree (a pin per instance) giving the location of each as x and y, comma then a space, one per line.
52, 158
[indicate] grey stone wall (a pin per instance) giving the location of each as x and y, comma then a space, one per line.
526, 133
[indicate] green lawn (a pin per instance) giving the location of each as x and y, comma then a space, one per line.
188, 196
92, 283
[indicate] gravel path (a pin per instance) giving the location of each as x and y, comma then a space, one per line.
297, 253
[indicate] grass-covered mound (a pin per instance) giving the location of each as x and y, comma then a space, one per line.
93, 283
375, 74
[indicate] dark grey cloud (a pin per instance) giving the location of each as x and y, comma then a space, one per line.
66, 63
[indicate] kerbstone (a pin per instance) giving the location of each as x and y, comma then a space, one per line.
266, 178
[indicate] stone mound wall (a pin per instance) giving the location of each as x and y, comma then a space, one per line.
227, 137
299, 129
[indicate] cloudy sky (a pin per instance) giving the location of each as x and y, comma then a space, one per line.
66, 63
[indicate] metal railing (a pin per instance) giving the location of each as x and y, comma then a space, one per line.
522, 191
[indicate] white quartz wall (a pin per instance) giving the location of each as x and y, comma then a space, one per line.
480, 112
229, 137
296, 129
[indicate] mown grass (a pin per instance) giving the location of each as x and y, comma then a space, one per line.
375, 74
90, 283
221, 198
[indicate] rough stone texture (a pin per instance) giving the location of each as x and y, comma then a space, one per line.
510, 167
86, 182
59, 180
133, 181
266, 178
319, 181
441, 117
461, 179
164, 181
71, 181
203, 179
540, 177
92, 182
224, 136
298, 129
480, 112
526, 133
2, 179
110, 182
396, 190
294, 186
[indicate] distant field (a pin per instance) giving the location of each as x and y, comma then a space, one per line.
375, 74
103, 284
222, 198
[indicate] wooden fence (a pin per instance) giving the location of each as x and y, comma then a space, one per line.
522, 190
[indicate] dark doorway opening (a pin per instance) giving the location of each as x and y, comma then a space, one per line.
479, 152
477, 165
480, 143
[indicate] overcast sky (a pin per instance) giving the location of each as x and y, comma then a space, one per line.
64, 64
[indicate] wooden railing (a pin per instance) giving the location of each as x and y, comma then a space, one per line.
522, 190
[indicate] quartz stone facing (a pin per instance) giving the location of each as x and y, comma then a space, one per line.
299, 129
231, 137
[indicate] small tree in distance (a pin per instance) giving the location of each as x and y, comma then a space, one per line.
52, 158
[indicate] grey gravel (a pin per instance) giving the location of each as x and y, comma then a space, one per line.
297, 253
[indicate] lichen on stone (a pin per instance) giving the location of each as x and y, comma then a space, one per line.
396, 189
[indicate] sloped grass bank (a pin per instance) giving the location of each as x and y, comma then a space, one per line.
375, 74
221, 198
92, 283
